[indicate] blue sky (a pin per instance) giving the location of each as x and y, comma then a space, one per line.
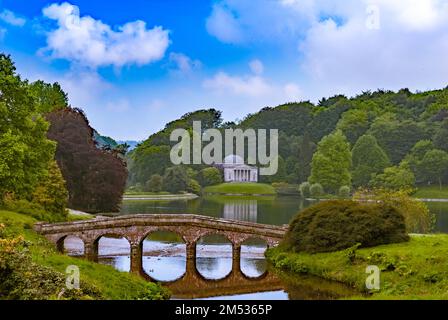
135, 65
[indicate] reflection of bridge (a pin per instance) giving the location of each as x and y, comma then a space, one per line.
193, 285
135, 228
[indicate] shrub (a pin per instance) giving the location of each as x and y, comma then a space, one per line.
175, 179
316, 190
210, 177
340, 224
194, 187
304, 190
344, 191
155, 184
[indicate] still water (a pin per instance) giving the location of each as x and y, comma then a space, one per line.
165, 255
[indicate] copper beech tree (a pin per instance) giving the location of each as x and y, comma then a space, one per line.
95, 178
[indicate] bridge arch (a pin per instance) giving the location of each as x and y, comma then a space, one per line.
164, 248
77, 244
253, 264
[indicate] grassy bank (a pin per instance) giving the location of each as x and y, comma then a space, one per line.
247, 188
108, 282
413, 270
431, 192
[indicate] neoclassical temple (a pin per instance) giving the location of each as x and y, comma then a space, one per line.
235, 170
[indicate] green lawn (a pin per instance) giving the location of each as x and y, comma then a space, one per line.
247, 188
412, 270
112, 284
432, 192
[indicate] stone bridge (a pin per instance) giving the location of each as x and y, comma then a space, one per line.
135, 228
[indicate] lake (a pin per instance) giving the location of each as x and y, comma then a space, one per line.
165, 254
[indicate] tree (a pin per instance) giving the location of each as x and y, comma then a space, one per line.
210, 177
25, 151
305, 156
49, 97
440, 138
155, 184
51, 193
95, 177
434, 165
368, 158
396, 137
332, 162
353, 124
394, 178
175, 179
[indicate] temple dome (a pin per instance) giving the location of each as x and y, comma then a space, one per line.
233, 159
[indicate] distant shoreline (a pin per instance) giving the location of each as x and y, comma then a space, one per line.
186, 196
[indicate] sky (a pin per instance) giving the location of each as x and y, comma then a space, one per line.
135, 65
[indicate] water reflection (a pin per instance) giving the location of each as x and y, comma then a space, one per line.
242, 210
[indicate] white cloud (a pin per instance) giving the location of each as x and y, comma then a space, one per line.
338, 53
292, 92
247, 85
92, 43
256, 66
10, 18
183, 63
224, 25
408, 50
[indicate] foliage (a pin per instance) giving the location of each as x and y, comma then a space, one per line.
316, 190
210, 176
25, 151
344, 191
332, 162
434, 166
52, 194
49, 97
368, 159
339, 224
394, 178
417, 216
95, 177
304, 189
155, 184
175, 179
194, 187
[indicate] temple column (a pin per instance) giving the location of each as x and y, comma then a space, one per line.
91, 250
137, 257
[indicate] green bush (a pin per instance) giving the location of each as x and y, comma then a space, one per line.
210, 177
155, 183
316, 190
340, 224
344, 191
194, 187
304, 190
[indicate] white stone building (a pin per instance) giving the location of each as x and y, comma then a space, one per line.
235, 170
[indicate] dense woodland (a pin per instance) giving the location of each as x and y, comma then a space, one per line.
376, 139
48, 154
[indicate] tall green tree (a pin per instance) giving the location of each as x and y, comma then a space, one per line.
332, 163
353, 124
25, 151
368, 158
434, 166
175, 179
394, 178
